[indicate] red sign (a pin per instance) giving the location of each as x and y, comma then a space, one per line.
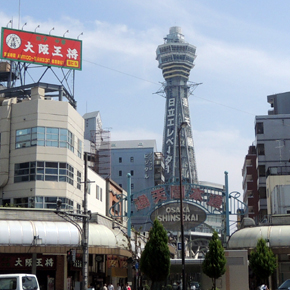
19, 45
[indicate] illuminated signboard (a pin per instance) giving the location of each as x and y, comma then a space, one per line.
43, 49
169, 215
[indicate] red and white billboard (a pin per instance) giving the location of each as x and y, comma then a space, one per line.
43, 49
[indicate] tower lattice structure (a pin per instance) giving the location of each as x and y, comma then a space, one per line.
176, 59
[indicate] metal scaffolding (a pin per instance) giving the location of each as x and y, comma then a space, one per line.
101, 152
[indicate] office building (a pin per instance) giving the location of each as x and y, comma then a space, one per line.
250, 191
139, 158
272, 146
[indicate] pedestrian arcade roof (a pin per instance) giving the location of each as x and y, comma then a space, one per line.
58, 237
277, 236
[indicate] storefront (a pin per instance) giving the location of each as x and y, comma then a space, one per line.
39, 241
278, 239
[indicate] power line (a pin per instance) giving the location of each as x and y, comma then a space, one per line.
155, 83
121, 72
223, 105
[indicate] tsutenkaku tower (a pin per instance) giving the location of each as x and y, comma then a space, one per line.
176, 59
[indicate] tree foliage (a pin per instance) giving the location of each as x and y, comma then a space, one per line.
214, 264
262, 261
155, 259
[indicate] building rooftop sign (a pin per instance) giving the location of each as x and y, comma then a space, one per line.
43, 49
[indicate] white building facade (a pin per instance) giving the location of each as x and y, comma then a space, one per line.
272, 133
41, 157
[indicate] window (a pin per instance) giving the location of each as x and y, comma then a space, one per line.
23, 138
262, 192
79, 180
101, 194
5, 201
259, 128
70, 141
51, 171
120, 172
260, 149
52, 137
41, 170
37, 136
22, 202
38, 202
132, 185
120, 159
250, 193
131, 159
262, 170
79, 209
51, 201
70, 173
45, 136
80, 143
97, 192
132, 172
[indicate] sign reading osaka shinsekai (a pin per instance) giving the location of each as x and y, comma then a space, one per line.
163, 202
43, 49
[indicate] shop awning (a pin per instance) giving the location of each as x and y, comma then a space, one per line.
276, 235
46, 233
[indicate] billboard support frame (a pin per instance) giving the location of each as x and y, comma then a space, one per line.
20, 69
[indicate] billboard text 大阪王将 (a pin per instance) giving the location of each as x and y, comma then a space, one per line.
43, 49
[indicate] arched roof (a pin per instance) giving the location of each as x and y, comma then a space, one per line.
277, 235
14, 232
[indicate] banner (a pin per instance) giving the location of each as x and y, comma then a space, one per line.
43, 49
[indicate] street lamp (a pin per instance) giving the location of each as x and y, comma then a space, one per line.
182, 125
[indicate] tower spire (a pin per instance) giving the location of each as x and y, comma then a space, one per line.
176, 59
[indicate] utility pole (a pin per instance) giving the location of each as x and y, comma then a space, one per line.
84, 232
182, 125
85, 237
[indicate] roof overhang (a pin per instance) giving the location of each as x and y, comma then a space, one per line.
56, 237
246, 238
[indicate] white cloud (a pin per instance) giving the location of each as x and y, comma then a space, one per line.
220, 151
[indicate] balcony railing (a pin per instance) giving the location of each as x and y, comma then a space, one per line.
278, 170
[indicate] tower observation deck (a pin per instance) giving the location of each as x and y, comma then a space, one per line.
176, 59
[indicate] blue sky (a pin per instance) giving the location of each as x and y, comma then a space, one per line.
242, 56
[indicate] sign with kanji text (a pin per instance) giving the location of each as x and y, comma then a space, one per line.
23, 262
43, 49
